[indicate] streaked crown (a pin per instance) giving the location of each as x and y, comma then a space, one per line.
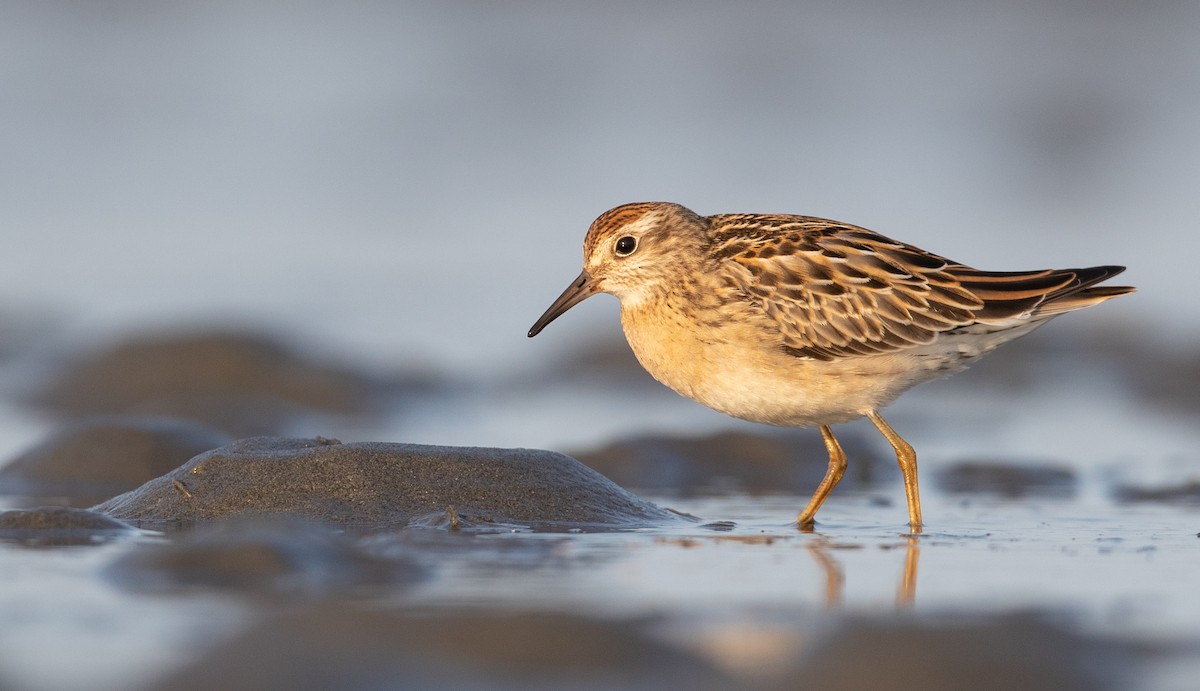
634, 249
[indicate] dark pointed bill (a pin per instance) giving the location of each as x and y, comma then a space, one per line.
580, 289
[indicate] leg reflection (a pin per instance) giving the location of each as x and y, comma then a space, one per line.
906, 594
821, 549
834, 577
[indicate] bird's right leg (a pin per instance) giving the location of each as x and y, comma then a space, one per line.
833, 475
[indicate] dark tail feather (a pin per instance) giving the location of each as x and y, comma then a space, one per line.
1078, 294
1008, 294
1091, 276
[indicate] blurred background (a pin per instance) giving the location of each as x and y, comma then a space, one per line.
341, 218
407, 184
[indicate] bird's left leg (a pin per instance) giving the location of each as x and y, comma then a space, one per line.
907, 458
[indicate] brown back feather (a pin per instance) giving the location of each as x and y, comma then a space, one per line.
836, 290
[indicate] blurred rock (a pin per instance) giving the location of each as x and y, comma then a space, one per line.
57, 526
336, 648
1164, 375
1170, 380
100, 457
1183, 493
261, 557
783, 462
377, 484
607, 357
242, 383
1008, 480
998, 653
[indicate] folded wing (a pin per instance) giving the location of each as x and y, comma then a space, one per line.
836, 290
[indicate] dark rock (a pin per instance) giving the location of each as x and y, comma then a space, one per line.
334, 649
787, 462
58, 518
97, 458
1008, 480
242, 383
273, 557
1183, 493
57, 525
375, 484
1001, 653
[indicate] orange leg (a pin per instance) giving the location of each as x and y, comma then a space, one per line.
907, 458
833, 475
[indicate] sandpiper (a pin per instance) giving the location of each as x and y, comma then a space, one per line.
806, 322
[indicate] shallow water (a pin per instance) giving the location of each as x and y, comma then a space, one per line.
1121, 572
1000, 556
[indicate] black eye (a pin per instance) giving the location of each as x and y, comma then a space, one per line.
626, 246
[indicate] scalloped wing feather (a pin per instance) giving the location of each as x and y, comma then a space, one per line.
835, 290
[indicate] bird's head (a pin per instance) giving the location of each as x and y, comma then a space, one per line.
634, 252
